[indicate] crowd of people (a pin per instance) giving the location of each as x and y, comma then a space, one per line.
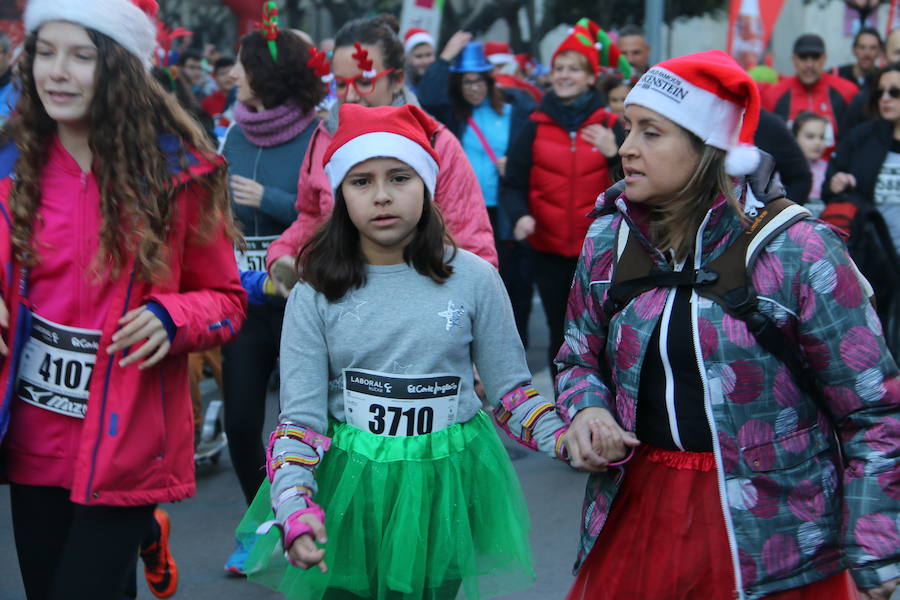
367, 220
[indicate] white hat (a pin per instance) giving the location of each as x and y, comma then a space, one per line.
131, 23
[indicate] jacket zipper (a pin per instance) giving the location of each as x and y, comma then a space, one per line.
100, 430
667, 365
572, 136
707, 406
255, 173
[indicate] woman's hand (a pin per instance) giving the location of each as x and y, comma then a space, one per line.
883, 592
246, 192
455, 44
841, 181
4, 323
137, 325
303, 552
602, 138
595, 440
524, 227
279, 270
501, 166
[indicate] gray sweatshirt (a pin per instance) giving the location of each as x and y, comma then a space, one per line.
402, 331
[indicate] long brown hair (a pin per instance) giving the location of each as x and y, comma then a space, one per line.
674, 224
128, 114
332, 262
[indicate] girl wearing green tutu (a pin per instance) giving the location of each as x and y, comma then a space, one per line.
417, 498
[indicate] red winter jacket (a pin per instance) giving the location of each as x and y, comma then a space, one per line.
136, 442
567, 175
829, 96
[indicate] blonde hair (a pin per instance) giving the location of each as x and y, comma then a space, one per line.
674, 224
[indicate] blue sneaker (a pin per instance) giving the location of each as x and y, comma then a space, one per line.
235, 562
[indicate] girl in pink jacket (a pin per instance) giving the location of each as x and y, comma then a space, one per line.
116, 241
367, 68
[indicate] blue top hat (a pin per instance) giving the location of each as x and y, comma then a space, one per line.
471, 60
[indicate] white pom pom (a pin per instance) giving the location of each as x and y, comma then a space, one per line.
598, 46
741, 160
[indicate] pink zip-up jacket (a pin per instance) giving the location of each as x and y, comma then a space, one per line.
135, 444
457, 194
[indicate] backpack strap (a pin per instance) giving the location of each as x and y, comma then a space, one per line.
726, 280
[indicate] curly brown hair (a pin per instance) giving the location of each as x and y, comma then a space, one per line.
288, 78
128, 114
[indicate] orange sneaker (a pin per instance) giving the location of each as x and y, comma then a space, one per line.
160, 569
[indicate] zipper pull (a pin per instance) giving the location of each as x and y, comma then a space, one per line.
572, 136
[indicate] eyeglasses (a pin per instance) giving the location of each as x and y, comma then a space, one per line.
893, 92
362, 84
473, 83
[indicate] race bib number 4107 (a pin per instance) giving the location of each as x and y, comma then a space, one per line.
56, 368
400, 405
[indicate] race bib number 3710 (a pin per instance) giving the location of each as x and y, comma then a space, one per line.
399, 405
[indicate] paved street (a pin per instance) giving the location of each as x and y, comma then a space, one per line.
202, 526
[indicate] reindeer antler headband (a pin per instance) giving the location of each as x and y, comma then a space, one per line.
269, 27
318, 62
361, 56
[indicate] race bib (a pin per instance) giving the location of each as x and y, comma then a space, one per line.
398, 405
56, 367
253, 258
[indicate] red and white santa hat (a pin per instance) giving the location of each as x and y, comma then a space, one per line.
415, 36
401, 132
498, 53
131, 23
711, 96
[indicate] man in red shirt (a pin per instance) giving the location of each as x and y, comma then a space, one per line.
811, 88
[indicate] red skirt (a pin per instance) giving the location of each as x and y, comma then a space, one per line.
665, 538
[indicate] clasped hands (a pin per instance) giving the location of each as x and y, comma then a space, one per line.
595, 440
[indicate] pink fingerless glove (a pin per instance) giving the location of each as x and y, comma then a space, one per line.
294, 527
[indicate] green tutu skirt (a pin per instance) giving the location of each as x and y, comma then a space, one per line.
437, 516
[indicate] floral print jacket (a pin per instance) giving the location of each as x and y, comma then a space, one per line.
793, 513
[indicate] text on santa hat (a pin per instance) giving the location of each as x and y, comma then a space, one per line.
666, 84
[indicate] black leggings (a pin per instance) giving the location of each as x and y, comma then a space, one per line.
75, 552
553, 275
247, 366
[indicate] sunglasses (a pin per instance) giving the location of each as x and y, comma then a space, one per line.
893, 92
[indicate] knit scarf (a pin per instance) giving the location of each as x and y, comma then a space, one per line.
273, 126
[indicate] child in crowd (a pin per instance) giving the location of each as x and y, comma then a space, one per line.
809, 130
418, 497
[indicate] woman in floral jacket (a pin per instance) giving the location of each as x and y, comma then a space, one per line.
741, 484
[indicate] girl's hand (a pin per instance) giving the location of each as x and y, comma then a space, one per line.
524, 227
595, 440
281, 269
602, 138
4, 323
880, 593
246, 192
137, 325
303, 552
455, 44
841, 181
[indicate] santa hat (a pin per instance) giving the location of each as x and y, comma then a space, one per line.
711, 96
415, 36
401, 132
583, 41
498, 53
131, 23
